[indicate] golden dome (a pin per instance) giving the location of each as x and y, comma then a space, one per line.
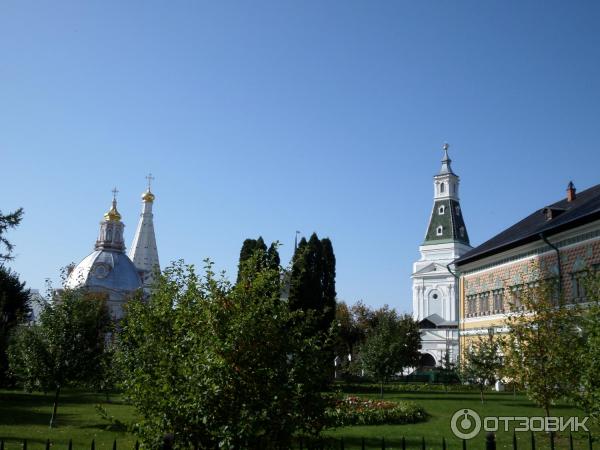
112, 213
148, 196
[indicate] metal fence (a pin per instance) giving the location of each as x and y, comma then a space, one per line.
307, 443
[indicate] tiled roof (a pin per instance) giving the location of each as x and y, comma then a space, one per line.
564, 215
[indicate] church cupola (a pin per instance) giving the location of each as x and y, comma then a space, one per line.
111, 229
446, 223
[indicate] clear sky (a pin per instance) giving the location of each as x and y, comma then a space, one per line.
263, 118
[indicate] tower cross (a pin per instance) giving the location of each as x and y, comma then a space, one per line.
149, 177
115, 191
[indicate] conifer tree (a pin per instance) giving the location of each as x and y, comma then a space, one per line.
265, 258
312, 290
14, 309
8, 221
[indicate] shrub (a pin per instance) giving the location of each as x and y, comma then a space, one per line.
359, 411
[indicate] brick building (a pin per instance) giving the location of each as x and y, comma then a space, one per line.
559, 240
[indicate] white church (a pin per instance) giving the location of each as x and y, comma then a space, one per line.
108, 269
435, 287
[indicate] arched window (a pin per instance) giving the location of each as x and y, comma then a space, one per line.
441, 210
440, 230
442, 187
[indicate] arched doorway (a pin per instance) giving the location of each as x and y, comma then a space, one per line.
427, 361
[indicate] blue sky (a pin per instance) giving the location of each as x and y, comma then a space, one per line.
263, 118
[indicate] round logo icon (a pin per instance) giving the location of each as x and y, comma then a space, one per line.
465, 424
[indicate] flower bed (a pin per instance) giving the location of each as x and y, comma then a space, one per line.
361, 411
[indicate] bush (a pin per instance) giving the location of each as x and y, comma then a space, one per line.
220, 366
359, 411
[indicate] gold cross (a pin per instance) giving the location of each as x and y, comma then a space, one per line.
149, 177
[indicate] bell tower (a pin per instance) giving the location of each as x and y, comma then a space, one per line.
144, 252
435, 289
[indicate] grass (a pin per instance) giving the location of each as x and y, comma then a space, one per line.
442, 405
25, 415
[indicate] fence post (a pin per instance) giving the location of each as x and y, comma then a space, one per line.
552, 440
464, 444
70, 444
490, 441
114, 445
532, 441
382, 443
443, 443
570, 441
47, 444
362, 444
1, 445
93, 445
403, 443
137, 445
301, 446
342, 443
514, 440
24, 444
423, 443
589, 441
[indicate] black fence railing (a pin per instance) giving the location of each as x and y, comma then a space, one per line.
329, 443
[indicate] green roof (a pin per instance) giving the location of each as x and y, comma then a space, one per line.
451, 221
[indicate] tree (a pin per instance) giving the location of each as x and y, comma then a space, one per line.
14, 309
8, 221
541, 348
312, 284
64, 348
266, 258
312, 290
220, 366
588, 395
482, 363
392, 346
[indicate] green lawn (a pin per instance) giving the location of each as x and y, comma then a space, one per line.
441, 406
27, 415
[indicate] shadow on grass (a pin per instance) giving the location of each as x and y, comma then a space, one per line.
106, 426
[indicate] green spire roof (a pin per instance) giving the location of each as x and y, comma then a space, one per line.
446, 224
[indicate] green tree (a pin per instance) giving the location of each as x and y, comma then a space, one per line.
588, 396
392, 346
265, 257
8, 221
541, 348
312, 284
312, 290
482, 363
64, 348
14, 309
220, 366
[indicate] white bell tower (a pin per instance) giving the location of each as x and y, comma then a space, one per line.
144, 252
435, 289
